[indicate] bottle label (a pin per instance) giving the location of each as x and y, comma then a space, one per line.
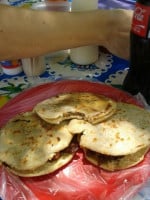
140, 20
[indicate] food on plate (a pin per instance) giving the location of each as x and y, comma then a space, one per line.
113, 163
113, 135
126, 132
48, 167
29, 144
119, 142
93, 108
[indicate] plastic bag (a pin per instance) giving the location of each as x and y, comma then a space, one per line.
12, 188
81, 180
78, 180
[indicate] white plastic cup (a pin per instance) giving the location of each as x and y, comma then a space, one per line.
88, 54
33, 66
11, 67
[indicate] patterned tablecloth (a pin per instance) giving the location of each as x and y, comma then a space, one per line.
109, 69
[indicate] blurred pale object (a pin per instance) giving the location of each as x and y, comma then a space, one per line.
56, 5
34, 66
84, 55
83, 5
88, 54
56, 0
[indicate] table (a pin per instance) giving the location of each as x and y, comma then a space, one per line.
109, 69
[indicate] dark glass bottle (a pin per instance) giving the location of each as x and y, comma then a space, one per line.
138, 77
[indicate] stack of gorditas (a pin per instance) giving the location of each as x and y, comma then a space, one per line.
113, 135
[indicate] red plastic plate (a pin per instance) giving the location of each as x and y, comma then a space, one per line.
78, 180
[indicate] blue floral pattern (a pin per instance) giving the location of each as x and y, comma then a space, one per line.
59, 66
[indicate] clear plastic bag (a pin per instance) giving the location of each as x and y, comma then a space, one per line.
12, 188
